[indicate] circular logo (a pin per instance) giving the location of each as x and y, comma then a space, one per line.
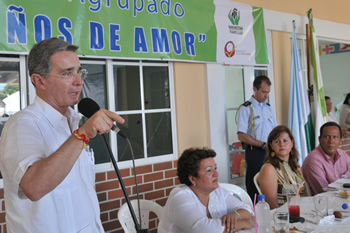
230, 49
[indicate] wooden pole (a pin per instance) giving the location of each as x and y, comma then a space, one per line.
308, 31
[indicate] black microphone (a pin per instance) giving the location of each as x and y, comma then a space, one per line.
88, 107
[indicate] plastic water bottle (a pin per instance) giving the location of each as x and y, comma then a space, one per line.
263, 215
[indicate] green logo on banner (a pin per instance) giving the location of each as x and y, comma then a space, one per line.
234, 16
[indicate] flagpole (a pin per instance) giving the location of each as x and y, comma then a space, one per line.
308, 58
317, 101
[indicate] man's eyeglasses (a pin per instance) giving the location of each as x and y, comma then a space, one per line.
71, 74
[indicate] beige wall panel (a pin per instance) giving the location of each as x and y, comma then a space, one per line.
191, 105
281, 50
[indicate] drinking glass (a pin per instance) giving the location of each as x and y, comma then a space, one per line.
281, 220
321, 205
293, 204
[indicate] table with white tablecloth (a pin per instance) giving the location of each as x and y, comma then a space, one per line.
316, 224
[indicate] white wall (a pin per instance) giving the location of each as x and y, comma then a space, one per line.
217, 118
326, 30
336, 76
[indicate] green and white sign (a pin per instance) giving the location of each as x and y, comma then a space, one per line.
139, 29
240, 34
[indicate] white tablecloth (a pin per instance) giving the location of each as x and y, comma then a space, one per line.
313, 223
328, 224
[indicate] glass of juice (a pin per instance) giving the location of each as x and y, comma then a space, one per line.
294, 210
293, 204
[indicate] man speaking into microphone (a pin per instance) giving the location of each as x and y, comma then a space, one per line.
47, 172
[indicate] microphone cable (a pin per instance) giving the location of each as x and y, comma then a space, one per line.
135, 177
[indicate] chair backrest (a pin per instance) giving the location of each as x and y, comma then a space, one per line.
257, 183
238, 192
146, 206
308, 189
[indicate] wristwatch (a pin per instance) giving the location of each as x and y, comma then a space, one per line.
263, 146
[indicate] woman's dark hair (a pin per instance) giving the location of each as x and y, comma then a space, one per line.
189, 162
293, 155
347, 98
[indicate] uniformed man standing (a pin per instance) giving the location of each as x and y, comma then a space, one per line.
255, 120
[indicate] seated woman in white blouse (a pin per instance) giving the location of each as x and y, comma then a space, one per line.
199, 205
344, 118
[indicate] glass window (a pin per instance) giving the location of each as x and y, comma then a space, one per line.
132, 128
258, 72
143, 99
234, 83
95, 88
156, 87
261, 71
127, 87
234, 98
9, 90
159, 135
95, 84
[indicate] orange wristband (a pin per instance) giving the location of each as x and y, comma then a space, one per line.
81, 137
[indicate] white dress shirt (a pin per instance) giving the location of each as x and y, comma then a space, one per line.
263, 120
344, 118
184, 213
330, 117
34, 134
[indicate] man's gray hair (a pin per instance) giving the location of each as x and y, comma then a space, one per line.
39, 56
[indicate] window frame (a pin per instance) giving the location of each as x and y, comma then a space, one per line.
109, 63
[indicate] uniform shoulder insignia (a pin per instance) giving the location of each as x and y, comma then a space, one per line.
247, 103
268, 104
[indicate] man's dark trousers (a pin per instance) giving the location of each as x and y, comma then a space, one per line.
254, 157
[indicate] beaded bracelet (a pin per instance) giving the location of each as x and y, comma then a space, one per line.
81, 137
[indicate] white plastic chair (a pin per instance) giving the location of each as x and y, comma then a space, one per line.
257, 183
308, 189
146, 206
238, 192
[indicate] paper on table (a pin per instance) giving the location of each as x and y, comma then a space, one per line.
327, 220
327, 225
338, 184
343, 181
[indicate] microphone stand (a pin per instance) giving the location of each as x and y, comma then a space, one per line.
132, 212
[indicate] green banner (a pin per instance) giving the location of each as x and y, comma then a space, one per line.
140, 29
